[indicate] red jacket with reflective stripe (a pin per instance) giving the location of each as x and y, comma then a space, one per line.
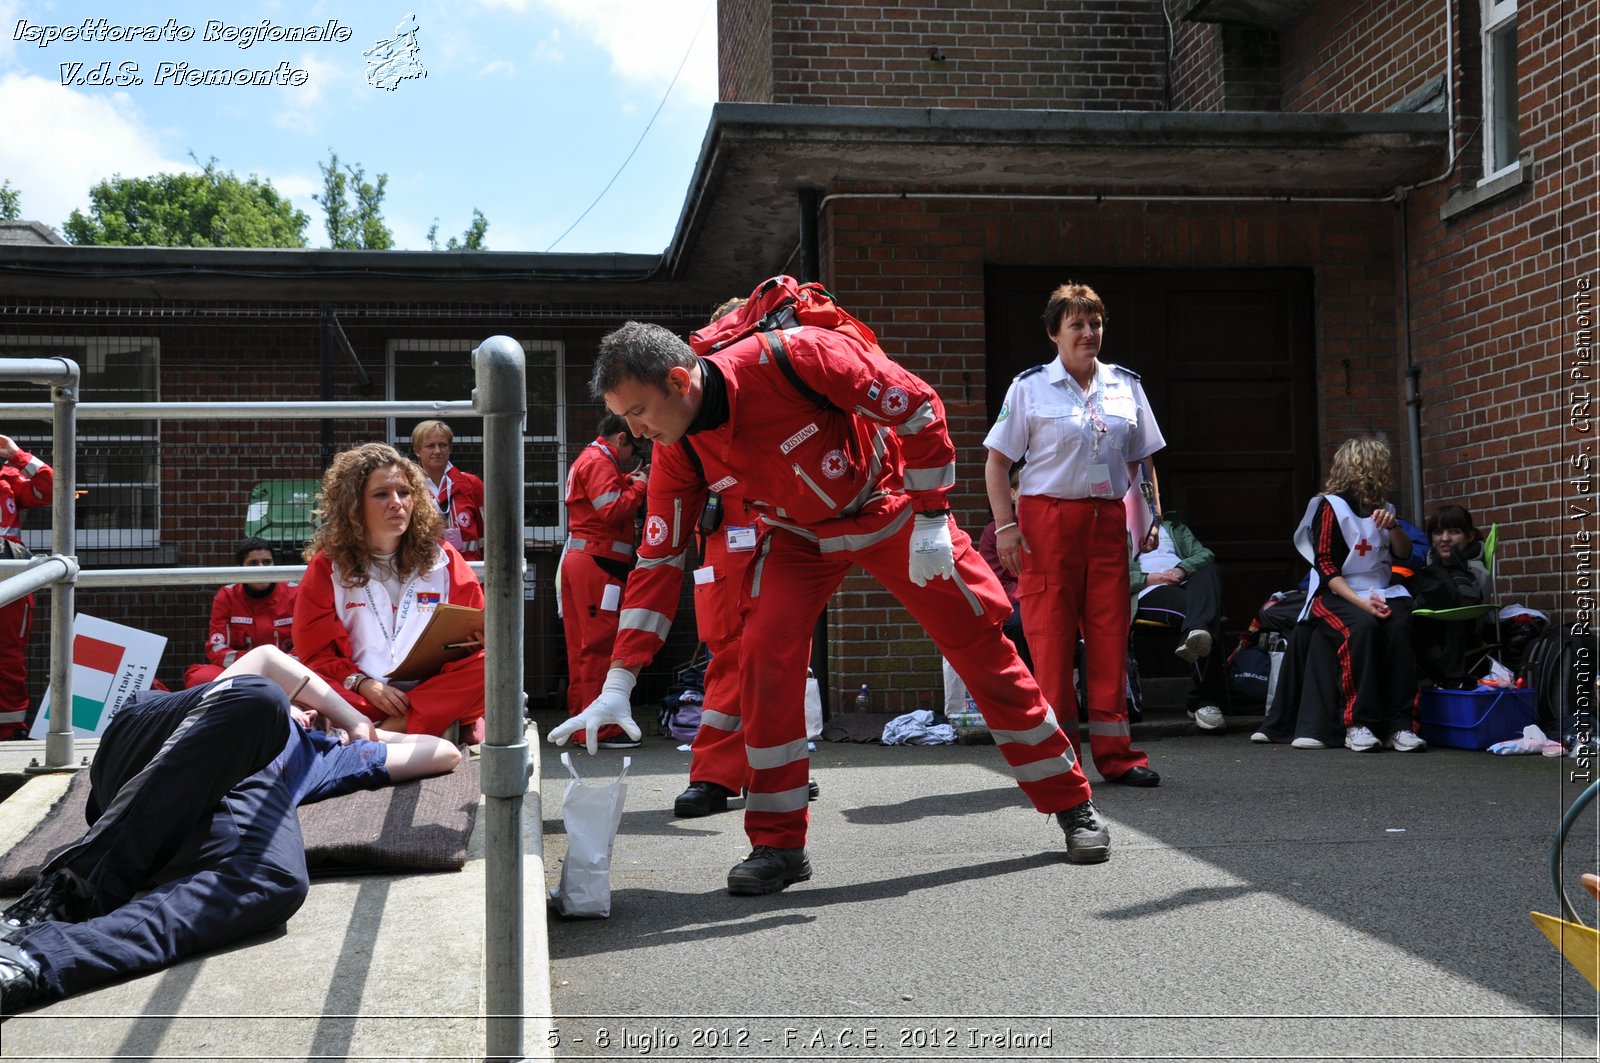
836, 471
602, 501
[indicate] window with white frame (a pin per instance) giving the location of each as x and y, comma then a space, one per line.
118, 462
442, 370
1499, 87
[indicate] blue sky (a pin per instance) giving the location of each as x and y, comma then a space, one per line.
527, 110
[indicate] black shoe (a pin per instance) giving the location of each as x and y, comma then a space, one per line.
701, 799
1088, 837
813, 791
20, 983
768, 870
1140, 776
55, 896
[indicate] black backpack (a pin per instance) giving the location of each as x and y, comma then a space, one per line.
1550, 667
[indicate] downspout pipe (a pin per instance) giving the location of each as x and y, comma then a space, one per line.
808, 202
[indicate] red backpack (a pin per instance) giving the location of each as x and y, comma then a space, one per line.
778, 303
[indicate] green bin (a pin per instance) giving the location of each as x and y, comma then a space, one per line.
280, 513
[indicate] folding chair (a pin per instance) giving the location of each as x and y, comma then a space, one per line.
1471, 614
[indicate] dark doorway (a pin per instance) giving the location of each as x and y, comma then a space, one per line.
1227, 361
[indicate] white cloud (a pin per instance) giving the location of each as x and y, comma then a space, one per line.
303, 104
646, 40
549, 49
58, 142
498, 66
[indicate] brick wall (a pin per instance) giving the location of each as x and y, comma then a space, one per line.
1490, 288
744, 51
1089, 54
913, 269
272, 353
1197, 76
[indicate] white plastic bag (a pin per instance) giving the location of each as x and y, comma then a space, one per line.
591, 814
1276, 656
813, 706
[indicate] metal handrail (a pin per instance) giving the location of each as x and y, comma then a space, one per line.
507, 767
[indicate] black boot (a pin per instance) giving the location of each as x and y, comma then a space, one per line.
53, 897
1088, 837
768, 870
701, 799
20, 984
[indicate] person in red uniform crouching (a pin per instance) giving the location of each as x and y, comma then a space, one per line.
603, 498
25, 483
457, 494
377, 570
245, 615
847, 458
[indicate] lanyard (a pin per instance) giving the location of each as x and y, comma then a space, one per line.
407, 600
1093, 417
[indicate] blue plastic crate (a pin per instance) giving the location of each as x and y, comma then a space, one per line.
1475, 719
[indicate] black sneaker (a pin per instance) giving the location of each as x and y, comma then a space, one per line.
1088, 837
701, 799
20, 984
768, 870
55, 896
813, 791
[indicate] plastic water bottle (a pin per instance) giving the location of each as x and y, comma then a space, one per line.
861, 699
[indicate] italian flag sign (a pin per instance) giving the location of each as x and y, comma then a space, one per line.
110, 663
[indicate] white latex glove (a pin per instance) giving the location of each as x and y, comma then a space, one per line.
614, 705
932, 556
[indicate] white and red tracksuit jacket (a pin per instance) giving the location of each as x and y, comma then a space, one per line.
25, 483
341, 630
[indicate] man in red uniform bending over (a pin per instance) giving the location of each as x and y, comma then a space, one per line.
847, 458
25, 483
246, 615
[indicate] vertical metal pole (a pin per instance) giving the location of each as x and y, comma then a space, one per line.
327, 381
58, 752
501, 396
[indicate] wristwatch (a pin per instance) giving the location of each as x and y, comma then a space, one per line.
353, 681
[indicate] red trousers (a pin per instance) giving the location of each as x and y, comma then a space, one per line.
1075, 579
793, 576
16, 624
718, 751
454, 695
590, 628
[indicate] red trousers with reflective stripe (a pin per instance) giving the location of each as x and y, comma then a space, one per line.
718, 750
590, 630
791, 580
1075, 579
16, 622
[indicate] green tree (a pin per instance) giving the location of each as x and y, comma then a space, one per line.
471, 240
213, 208
10, 202
355, 227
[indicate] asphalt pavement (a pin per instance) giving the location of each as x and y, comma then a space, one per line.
1262, 903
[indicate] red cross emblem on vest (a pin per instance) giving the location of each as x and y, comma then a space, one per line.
1363, 548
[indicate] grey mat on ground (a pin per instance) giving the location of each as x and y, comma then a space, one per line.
416, 826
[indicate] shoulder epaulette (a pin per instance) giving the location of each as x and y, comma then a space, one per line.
1123, 369
1029, 372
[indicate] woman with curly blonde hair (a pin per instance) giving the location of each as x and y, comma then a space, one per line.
376, 571
1352, 669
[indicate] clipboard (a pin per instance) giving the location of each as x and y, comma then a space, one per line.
431, 652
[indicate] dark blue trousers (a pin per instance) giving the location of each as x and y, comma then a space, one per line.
197, 790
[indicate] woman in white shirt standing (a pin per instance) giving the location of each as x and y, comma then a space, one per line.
1082, 426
